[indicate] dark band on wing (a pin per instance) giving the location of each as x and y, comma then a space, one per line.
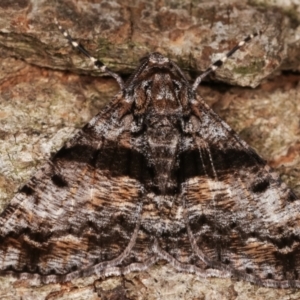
202, 163
116, 160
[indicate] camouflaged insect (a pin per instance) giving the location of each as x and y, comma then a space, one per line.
156, 175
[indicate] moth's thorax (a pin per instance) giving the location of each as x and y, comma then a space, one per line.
158, 86
160, 96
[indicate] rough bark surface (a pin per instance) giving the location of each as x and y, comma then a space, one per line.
43, 100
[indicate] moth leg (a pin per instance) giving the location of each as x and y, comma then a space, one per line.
97, 63
217, 64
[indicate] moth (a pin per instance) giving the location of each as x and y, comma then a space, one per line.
155, 175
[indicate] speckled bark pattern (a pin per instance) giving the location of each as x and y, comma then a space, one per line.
192, 33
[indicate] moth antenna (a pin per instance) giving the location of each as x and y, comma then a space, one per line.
97, 63
217, 64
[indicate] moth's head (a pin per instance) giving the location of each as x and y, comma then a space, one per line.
156, 58
154, 64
